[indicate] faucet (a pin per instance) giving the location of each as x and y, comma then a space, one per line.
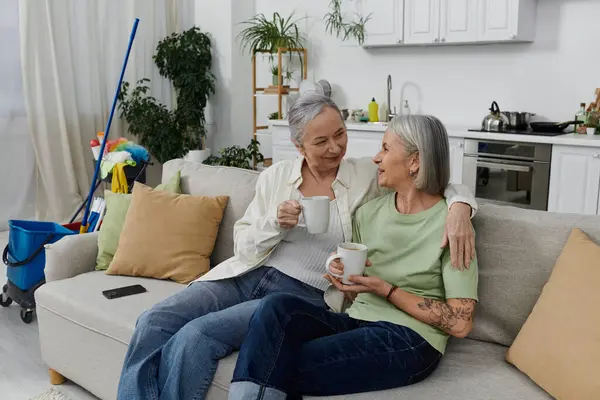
390, 115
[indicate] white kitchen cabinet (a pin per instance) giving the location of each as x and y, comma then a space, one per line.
457, 152
575, 180
386, 26
458, 21
438, 22
421, 21
506, 20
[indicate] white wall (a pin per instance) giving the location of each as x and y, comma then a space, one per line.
550, 77
229, 112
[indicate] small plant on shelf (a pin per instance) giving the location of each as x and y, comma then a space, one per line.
286, 75
236, 156
274, 115
336, 24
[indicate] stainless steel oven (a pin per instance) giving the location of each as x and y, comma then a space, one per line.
512, 173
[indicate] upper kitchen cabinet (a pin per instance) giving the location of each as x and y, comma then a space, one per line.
421, 21
575, 180
506, 20
438, 22
458, 21
385, 27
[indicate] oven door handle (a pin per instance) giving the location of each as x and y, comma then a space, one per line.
508, 167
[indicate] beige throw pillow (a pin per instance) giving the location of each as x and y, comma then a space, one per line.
168, 236
558, 347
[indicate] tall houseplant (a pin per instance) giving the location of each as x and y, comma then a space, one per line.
184, 58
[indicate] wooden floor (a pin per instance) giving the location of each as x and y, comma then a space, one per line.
23, 374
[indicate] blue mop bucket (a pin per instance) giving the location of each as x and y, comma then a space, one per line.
24, 255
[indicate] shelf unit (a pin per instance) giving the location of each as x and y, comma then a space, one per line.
281, 91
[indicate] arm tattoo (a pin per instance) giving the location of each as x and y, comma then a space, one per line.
444, 316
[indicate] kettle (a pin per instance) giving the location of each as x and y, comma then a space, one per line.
495, 121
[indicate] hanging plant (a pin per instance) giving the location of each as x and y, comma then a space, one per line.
335, 24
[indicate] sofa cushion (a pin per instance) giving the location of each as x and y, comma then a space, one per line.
117, 205
565, 313
516, 251
80, 299
204, 180
470, 370
168, 236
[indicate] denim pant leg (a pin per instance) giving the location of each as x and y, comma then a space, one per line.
156, 326
295, 348
190, 358
265, 367
375, 356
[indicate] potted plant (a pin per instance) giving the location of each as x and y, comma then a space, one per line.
236, 156
184, 58
286, 75
264, 34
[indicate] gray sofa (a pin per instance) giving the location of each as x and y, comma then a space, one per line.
84, 337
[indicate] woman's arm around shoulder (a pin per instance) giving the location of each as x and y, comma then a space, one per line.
258, 231
458, 231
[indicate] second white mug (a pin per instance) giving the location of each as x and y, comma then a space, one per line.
354, 258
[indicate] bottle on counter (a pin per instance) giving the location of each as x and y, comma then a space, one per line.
373, 111
383, 112
581, 117
593, 119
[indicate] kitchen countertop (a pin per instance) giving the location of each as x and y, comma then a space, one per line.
568, 139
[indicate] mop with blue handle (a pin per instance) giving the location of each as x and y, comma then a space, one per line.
86, 214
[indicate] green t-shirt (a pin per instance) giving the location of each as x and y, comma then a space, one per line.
405, 251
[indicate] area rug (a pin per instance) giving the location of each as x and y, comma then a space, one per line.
51, 394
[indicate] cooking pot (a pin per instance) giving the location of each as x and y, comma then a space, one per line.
518, 120
495, 121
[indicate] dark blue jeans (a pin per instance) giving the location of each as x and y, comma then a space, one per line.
294, 347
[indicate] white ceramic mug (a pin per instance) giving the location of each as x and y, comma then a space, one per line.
316, 214
354, 258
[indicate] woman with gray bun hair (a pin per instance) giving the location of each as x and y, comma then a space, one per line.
176, 344
410, 299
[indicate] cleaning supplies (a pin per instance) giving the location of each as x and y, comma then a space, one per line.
373, 111
119, 179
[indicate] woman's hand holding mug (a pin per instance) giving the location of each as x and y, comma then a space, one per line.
288, 214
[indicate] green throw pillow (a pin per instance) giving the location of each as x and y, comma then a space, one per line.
117, 205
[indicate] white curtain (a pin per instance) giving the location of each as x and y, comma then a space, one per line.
17, 163
72, 52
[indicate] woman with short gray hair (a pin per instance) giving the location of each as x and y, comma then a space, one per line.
410, 299
176, 345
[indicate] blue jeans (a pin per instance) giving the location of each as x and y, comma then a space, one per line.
176, 346
295, 348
